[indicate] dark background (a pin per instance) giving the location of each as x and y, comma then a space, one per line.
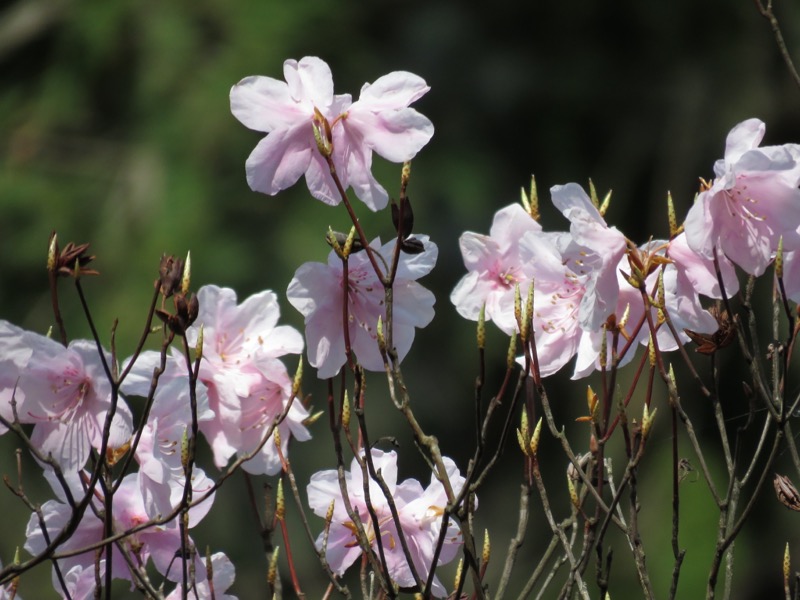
115, 129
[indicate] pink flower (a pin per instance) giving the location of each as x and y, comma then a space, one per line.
161, 475
316, 291
595, 250
753, 201
681, 302
223, 574
66, 394
420, 513
380, 120
791, 275
248, 385
700, 270
159, 543
575, 283
495, 266
14, 356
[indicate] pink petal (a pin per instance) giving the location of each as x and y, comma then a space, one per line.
264, 104
278, 161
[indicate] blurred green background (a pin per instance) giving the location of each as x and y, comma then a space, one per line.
116, 130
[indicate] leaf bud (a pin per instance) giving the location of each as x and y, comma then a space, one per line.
537, 433
297, 381
379, 335
530, 202
186, 279
787, 565
280, 502
198, 347
482, 327
272, 571
647, 421
573, 493
512, 350
487, 547
52, 253
459, 571
322, 133
346, 411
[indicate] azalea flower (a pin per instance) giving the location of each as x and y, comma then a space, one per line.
161, 474
594, 249
420, 518
575, 284
681, 303
14, 355
316, 291
791, 275
380, 120
495, 267
752, 202
700, 270
223, 574
64, 392
159, 543
248, 385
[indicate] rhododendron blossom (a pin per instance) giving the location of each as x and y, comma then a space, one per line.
161, 476
681, 302
420, 514
14, 355
595, 249
753, 201
700, 271
317, 292
159, 543
223, 574
495, 267
248, 385
380, 120
65, 392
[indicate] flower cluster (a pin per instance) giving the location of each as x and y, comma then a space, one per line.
243, 394
592, 279
420, 512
